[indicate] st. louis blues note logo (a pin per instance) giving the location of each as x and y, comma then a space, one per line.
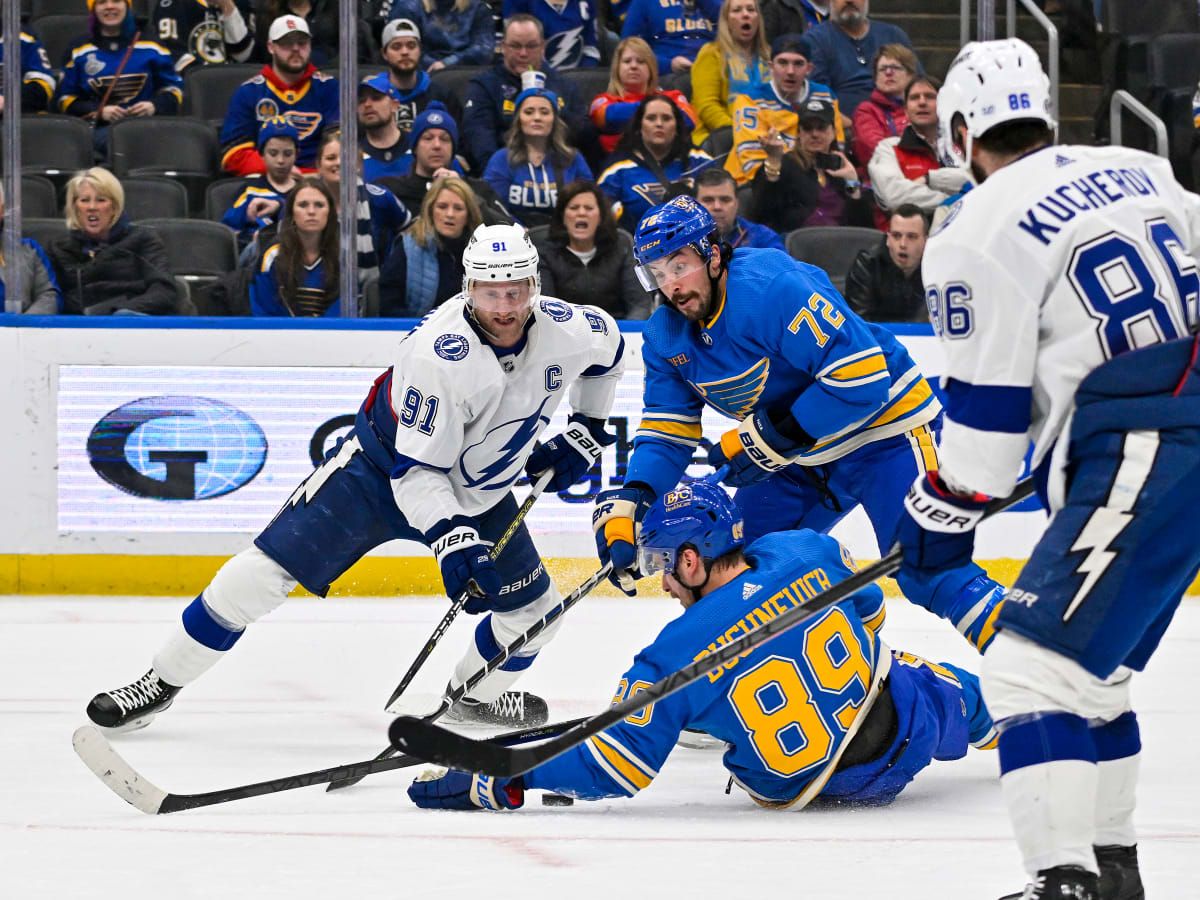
737, 395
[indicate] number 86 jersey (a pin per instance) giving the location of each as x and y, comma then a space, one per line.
1057, 263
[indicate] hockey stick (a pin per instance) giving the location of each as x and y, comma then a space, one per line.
451, 614
431, 742
493, 664
461, 600
123, 780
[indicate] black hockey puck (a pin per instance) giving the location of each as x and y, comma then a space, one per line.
557, 800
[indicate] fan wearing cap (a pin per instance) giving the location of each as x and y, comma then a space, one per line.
813, 183
205, 34
489, 105
537, 160
112, 74
262, 198
411, 85
383, 143
321, 16
772, 107
289, 86
454, 32
433, 143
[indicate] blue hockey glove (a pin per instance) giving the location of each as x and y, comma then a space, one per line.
465, 563
753, 451
938, 533
570, 454
441, 789
615, 520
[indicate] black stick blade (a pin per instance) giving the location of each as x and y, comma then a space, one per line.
432, 743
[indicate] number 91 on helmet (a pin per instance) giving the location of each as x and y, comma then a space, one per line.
500, 276
699, 516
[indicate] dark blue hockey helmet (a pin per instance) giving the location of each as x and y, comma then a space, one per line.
668, 228
699, 515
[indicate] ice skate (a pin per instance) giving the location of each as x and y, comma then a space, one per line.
133, 706
1120, 878
1060, 883
513, 709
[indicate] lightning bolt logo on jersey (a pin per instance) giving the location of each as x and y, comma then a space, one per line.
450, 406
781, 334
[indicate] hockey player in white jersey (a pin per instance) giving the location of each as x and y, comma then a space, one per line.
1064, 289
436, 446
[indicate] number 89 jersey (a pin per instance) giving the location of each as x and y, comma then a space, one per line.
785, 709
1058, 262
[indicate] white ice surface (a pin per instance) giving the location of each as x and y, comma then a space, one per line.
305, 688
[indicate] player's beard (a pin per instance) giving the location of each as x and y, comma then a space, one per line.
699, 313
978, 172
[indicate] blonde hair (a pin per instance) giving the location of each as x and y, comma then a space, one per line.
729, 47
423, 231
642, 49
106, 185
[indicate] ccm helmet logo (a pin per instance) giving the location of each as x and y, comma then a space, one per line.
177, 448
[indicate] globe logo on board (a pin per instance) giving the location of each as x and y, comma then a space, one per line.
177, 448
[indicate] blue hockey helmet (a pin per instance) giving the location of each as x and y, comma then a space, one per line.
700, 515
668, 228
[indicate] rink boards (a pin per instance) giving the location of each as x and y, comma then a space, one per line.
144, 454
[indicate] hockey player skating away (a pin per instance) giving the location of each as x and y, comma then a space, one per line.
436, 446
825, 709
1065, 286
833, 411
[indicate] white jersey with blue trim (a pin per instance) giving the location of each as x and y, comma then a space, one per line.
1058, 262
467, 416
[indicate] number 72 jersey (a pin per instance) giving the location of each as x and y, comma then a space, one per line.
1058, 262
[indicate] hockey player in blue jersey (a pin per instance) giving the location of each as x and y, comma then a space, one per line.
824, 710
1064, 287
436, 447
833, 411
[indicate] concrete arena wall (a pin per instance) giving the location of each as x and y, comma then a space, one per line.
70, 530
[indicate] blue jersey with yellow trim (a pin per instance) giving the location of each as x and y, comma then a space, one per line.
784, 709
781, 337
634, 187
93, 67
311, 106
237, 218
37, 77
310, 299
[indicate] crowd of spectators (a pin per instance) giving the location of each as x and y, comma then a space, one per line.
776, 114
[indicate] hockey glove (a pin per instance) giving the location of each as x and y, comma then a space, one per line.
571, 454
615, 521
756, 449
452, 789
938, 534
465, 563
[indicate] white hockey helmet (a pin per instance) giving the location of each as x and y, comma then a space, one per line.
991, 83
500, 253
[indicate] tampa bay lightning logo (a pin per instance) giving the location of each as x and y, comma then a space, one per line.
451, 346
557, 310
496, 460
177, 448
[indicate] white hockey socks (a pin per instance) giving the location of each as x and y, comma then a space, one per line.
1049, 780
245, 588
1118, 753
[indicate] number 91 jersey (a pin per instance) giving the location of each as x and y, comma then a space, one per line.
1058, 262
466, 417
